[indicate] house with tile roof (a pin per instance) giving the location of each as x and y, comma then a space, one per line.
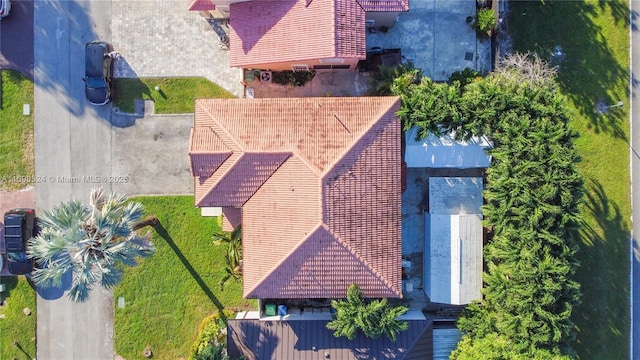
302, 34
316, 184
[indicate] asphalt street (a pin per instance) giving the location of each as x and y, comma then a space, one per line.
72, 138
635, 178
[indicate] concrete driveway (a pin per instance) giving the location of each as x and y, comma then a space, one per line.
163, 38
435, 36
152, 156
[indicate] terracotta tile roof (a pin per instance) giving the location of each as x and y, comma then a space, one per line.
202, 5
244, 178
319, 183
205, 159
310, 271
274, 31
384, 5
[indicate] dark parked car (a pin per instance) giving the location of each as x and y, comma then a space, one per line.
19, 225
5, 7
98, 70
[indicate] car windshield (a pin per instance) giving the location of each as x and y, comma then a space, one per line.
17, 256
95, 83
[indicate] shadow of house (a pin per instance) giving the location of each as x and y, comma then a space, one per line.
310, 339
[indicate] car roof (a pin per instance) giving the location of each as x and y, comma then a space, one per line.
13, 229
94, 58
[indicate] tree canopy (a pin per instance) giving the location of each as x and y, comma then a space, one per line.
92, 241
532, 196
373, 318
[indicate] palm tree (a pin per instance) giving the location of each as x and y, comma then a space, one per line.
344, 322
233, 256
382, 80
93, 241
374, 318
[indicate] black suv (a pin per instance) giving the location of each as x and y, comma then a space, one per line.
98, 72
19, 225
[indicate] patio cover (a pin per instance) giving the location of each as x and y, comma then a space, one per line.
445, 151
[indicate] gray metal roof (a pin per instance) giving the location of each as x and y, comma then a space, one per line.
311, 340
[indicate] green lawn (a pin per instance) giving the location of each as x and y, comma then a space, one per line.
16, 326
595, 40
176, 95
168, 294
16, 131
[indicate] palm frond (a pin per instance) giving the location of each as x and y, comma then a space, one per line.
93, 241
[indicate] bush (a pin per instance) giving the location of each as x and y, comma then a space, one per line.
210, 331
292, 78
464, 77
382, 81
485, 21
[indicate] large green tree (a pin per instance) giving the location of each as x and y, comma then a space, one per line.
532, 196
92, 241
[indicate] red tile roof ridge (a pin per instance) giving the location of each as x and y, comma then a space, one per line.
367, 133
306, 163
219, 129
203, 139
364, 261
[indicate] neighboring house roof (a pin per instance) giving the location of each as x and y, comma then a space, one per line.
384, 5
202, 5
318, 180
311, 340
273, 31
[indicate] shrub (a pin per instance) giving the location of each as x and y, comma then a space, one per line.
485, 21
466, 76
210, 331
292, 78
382, 81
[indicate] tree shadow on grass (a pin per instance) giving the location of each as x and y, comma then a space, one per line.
165, 235
588, 71
602, 320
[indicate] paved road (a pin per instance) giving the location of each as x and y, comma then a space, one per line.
72, 138
635, 179
16, 38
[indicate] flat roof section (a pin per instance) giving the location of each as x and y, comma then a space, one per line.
455, 195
